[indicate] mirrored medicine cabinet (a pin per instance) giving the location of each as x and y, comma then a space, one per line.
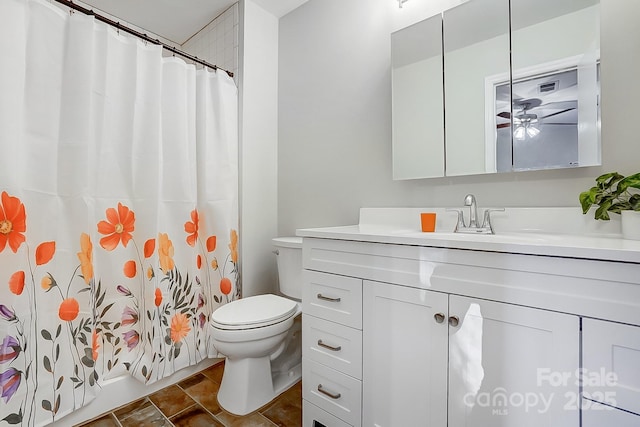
496, 86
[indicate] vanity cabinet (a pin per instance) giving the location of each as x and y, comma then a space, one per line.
455, 337
427, 351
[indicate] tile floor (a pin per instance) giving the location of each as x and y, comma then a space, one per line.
193, 403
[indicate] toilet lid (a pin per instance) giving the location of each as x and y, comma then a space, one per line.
253, 312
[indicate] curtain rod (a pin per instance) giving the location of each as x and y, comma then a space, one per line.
70, 4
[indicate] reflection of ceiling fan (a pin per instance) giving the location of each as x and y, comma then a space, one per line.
525, 122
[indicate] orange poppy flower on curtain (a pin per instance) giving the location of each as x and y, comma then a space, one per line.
47, 282
158, 297
69, 309
16, 282
117, 228
13, 222
211, 244
130, 269
94, 345
233, 246
45, 252
165, 252
225, 286
149, 247
179, 327
86, 257
191, 227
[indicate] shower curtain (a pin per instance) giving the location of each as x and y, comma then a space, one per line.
118, 209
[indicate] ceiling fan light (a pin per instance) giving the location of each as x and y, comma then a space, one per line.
519, 133
532, 131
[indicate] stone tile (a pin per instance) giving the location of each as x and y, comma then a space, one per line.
195, 416
144, 415
105, 421
203, 390
171, 400
252, 420
286, 410
215, 372
124, 411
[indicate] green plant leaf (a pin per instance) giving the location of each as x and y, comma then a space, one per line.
586, 200
632, 181
602, 211
607, 180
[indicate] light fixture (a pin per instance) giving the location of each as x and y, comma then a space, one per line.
525, 127
519, 133
400, 3
532, 131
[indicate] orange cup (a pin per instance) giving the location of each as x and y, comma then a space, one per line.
428, 221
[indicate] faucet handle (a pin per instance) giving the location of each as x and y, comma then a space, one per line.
486, 222
460, 223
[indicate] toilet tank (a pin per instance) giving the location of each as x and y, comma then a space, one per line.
289, 259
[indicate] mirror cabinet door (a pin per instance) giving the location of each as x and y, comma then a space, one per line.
555, 62
476, 59
417, 100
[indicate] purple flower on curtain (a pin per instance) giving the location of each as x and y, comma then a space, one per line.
9, 383
7, 313
129, 316
203, 319
9, 349
201, 300
132, 338
124, 291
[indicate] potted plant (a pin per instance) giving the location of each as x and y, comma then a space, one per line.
614, 193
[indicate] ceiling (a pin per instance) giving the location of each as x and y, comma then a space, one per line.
178, 20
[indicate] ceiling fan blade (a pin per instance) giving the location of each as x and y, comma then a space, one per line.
503, 125
561, 104
558, 112
504, 115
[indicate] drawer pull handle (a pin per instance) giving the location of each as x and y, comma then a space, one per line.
439, 317
322, 297
330, 347
328, 393
454, 321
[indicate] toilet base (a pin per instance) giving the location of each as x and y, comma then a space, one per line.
248, 384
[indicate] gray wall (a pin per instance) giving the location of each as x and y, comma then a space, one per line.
334, 125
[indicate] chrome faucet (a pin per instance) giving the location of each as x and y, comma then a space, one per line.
470, 200
473, 227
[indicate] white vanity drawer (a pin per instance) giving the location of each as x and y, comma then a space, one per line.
611, 364
312, 416
332, 344
333, 297
333, 391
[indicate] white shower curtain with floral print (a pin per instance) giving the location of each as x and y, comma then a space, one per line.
118, 209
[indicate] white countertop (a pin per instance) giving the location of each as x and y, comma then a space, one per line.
599, 245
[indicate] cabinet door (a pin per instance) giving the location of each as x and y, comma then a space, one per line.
404, 356
598, 415
512, 366
611, 362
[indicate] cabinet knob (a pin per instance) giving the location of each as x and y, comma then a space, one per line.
439, 317
454, 320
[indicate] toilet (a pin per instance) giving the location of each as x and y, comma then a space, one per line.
260, 337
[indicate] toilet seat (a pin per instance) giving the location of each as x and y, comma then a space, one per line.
253, 312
